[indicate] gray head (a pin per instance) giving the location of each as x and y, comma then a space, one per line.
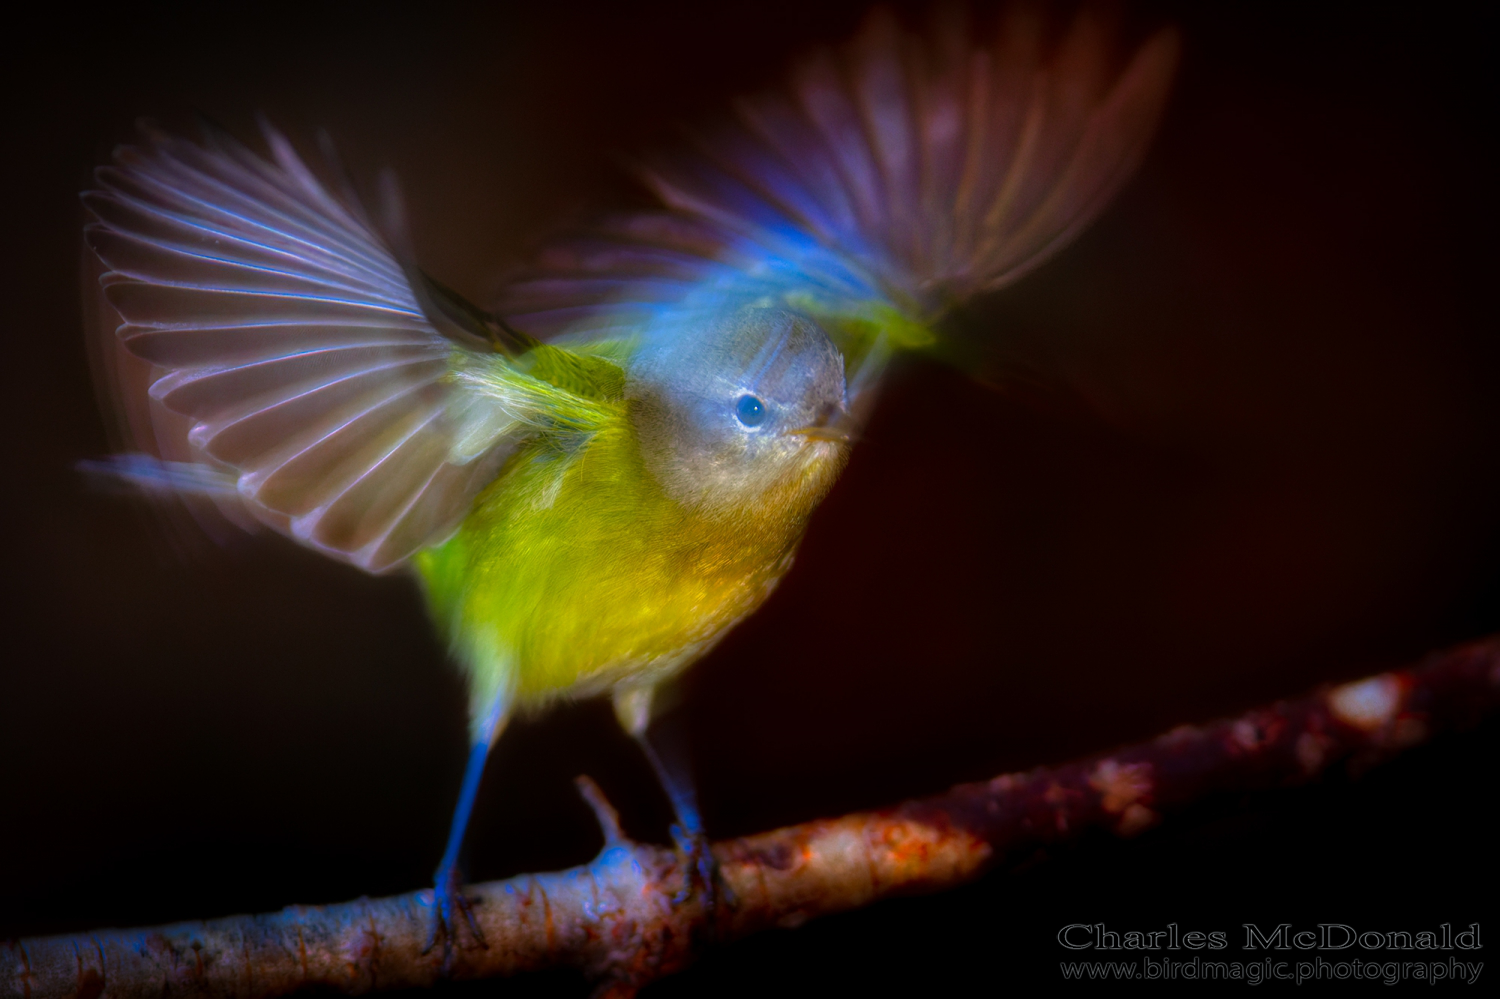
744, 401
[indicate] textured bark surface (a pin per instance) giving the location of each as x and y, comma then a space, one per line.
615, 917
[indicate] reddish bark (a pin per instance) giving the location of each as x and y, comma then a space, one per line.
615, 918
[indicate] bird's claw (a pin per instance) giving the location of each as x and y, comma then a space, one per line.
447, 899
701, 873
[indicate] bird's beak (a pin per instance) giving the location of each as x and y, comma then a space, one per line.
836, 434
835, 427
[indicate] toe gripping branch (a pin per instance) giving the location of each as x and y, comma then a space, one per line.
700, 872
673, 927
448, 899
447, 891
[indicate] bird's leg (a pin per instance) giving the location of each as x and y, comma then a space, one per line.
447, 892
687, 831
661, 740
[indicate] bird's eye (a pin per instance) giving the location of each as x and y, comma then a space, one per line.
750, 411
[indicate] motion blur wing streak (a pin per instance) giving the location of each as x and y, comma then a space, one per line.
280, 326
290, 351
897, 176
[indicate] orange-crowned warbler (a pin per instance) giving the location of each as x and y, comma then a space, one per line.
597, 479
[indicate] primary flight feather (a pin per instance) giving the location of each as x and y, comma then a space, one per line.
598, 479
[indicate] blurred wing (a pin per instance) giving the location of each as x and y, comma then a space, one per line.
141, 430
288, 349
890, 180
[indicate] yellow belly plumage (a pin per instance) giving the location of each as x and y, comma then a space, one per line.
704, 372
576, 573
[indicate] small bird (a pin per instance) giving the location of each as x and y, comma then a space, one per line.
598, 477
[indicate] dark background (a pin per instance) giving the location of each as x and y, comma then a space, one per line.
1264, 457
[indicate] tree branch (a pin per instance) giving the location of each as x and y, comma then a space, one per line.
615, 919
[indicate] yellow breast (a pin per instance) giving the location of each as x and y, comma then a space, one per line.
576, 572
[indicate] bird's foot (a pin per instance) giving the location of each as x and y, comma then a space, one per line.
449, 902
700, 870
701, 873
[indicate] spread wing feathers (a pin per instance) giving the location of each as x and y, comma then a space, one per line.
664, 273
905, 171
632, 270
281, 327
943, 167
